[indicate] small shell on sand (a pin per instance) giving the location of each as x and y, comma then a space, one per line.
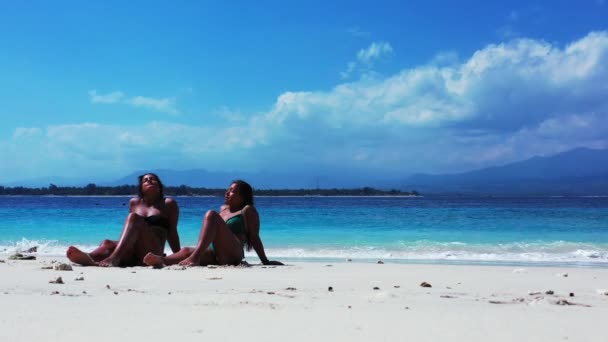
425, 284
62, 267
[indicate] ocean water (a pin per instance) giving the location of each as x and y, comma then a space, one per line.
484, 230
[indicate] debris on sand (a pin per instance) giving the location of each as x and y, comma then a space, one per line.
513, 301
31, 250
19, 256
565, 302
425, 284
57, 280
62, 267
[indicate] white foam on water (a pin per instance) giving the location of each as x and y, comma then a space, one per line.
545, 253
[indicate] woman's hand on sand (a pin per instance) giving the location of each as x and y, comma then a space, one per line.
273, 263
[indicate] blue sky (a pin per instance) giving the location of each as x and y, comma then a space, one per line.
97, 90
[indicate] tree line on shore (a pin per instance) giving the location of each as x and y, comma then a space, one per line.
184, 190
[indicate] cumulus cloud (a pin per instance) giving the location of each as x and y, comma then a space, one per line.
503, 103
165, 105
505, 93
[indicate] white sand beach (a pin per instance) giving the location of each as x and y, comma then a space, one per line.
367, 302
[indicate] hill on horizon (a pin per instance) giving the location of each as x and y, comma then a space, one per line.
580, 171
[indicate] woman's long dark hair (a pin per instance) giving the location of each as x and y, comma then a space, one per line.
161, 187
246, 192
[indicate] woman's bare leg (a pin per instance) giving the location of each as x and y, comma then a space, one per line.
151, 259
132, 231
104, 250
214, 230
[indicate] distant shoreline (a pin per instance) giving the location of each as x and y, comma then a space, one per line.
187, 191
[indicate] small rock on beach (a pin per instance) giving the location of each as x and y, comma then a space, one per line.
425, 284
57, 280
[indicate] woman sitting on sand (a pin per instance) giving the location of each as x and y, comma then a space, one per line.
223, 235
151, 221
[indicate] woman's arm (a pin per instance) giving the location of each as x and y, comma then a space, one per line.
252, 220
172, 235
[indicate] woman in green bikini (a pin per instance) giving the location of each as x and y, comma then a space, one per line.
223, 235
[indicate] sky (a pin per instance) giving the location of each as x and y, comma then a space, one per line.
99, 89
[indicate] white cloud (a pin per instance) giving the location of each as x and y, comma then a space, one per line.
505, 102
507, 93
357, 32
366, 58
26, 132
166, 105
113, 97
374, 51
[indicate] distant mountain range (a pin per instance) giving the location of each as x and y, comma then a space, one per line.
580, 171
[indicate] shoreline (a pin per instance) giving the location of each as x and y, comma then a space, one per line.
4, 255
378, 302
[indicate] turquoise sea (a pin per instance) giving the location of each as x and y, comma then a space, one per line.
484, 230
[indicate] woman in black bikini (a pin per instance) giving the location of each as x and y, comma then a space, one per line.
223, 235
151, 222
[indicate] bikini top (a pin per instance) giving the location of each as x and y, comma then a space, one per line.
236, 224
158, 221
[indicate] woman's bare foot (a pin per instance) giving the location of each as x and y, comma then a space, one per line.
110, 262
79, 257
154, 260
190, 261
